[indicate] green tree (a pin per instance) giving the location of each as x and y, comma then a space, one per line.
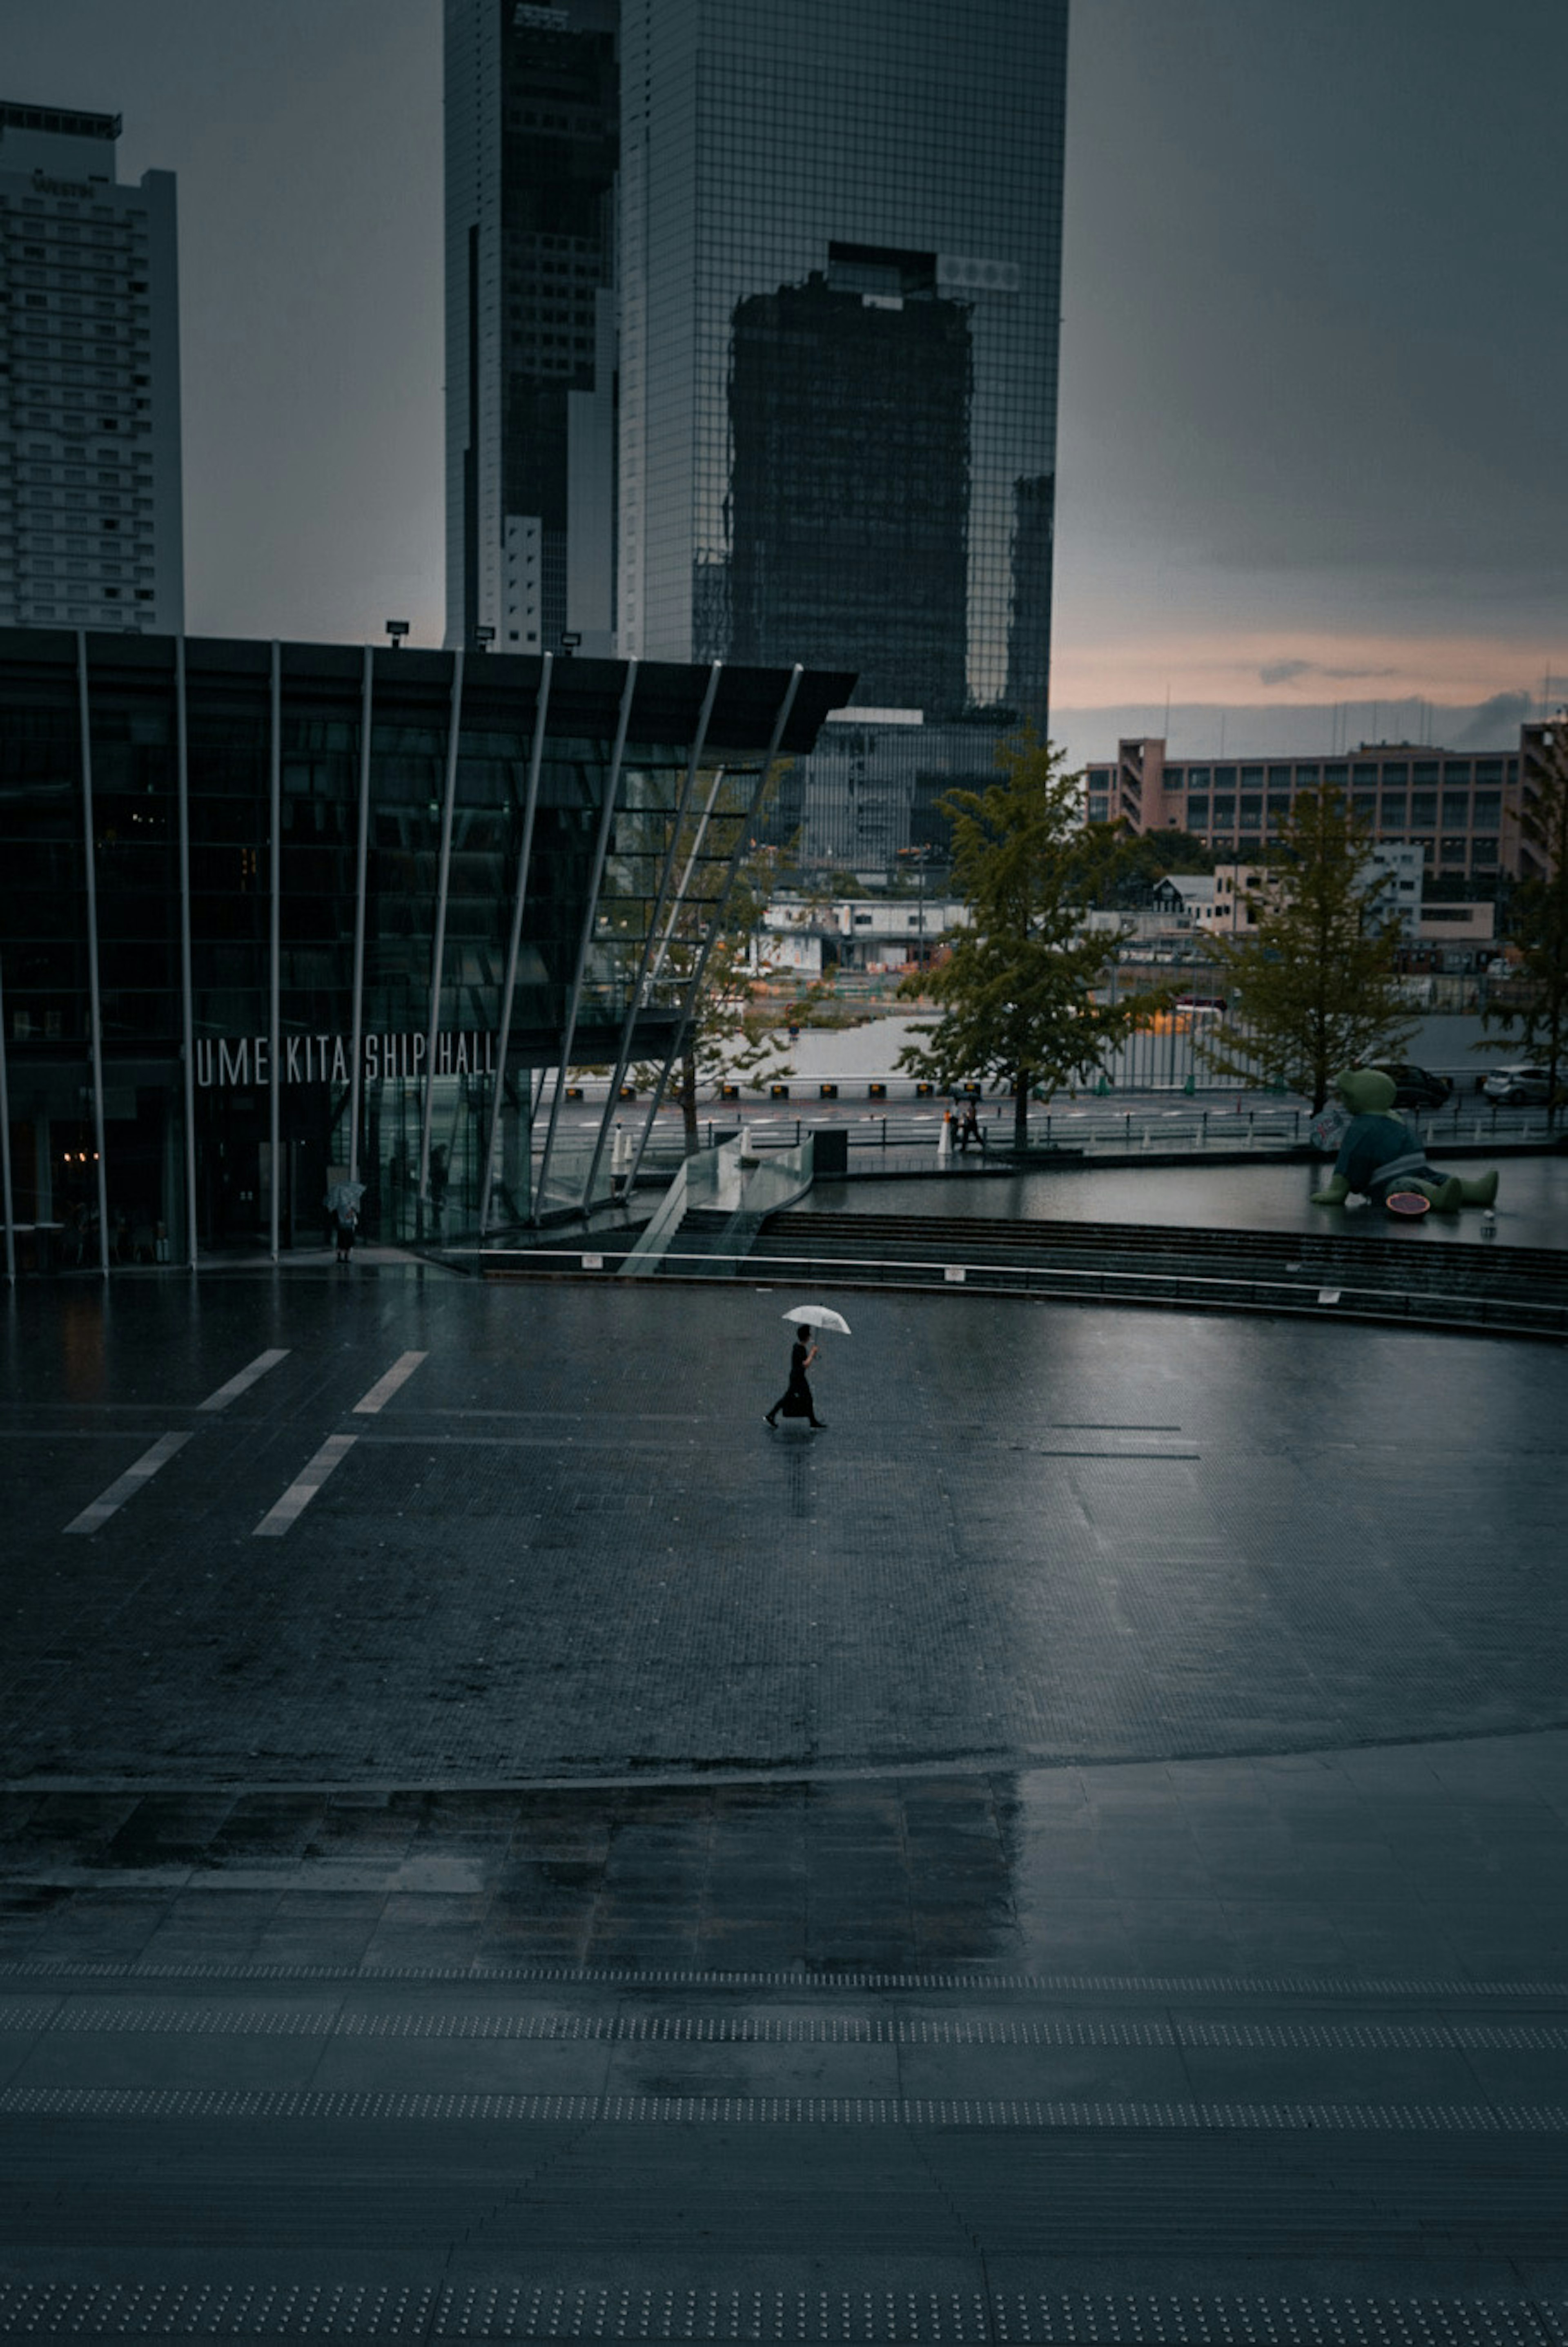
1315, 971
1538, 911
1016, 989
1146, 858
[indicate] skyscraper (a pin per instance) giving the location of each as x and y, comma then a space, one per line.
879, 188
834, 237
91, 512
532, 141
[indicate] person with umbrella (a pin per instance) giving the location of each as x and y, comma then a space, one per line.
343, 1204
796, 1401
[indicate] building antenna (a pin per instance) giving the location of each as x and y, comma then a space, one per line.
1167, 709
1221, 732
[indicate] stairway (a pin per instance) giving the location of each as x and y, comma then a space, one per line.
1523, 1289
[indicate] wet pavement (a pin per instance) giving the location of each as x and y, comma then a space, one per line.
495, 1843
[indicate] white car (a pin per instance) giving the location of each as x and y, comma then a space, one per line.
1519, 1085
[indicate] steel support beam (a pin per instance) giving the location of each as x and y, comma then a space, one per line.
733, 865
274, 981
187, 987
439, 945
601, 850
513, 945
634, 1004
361, 883
6, 1193
95, 1000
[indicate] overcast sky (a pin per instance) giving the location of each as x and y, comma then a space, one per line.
1312, 459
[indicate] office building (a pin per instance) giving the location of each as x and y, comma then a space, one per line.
286, 914
1461, 808
869, 794
90, 524
532, 140
835, 266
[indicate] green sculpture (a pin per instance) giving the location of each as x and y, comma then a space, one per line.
1379, 1156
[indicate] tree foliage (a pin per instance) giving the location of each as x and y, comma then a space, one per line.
1016, 990
1146, 858
1315, 975
1538, 912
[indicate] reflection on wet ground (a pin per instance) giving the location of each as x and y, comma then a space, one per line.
1447, 1861
335, 1999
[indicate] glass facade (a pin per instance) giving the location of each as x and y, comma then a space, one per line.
839, 297
751, 335
351, 1009
532, 146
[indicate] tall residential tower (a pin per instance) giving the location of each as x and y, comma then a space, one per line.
752, 330
90, 518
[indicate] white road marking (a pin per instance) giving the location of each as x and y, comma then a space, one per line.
125, 1486
246, 1379
383, 1388
300, 1494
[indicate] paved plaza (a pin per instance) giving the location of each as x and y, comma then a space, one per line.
495, 1842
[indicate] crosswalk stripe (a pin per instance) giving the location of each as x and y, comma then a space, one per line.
125, 1486
246, 1378
383, 1388
300, 1494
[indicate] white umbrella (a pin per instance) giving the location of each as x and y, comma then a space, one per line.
343, 1194
817, 1315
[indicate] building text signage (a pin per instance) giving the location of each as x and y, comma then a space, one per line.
324, 1059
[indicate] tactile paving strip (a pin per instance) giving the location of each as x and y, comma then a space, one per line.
1231, 1985
778, 2110
763, 2029
585, 2311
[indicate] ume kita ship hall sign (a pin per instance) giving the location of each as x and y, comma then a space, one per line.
247, 1059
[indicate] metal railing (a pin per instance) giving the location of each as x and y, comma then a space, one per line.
1096, 1125
1201, 1291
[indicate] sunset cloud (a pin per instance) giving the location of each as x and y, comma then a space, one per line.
1222, 665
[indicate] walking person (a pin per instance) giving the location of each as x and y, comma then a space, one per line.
347, 1224
969, 1130
795, 1401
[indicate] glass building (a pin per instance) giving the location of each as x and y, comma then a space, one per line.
532, 143
840, 265
753, 329
275, 915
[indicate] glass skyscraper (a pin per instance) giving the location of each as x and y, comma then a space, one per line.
835, 265
532, 147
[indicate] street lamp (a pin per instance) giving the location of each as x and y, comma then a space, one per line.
397, 630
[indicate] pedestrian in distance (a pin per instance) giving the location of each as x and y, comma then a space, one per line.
795, 1401
969, 1130
347, 1224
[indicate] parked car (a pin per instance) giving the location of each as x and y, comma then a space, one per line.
1518, 1085
1416, 1087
